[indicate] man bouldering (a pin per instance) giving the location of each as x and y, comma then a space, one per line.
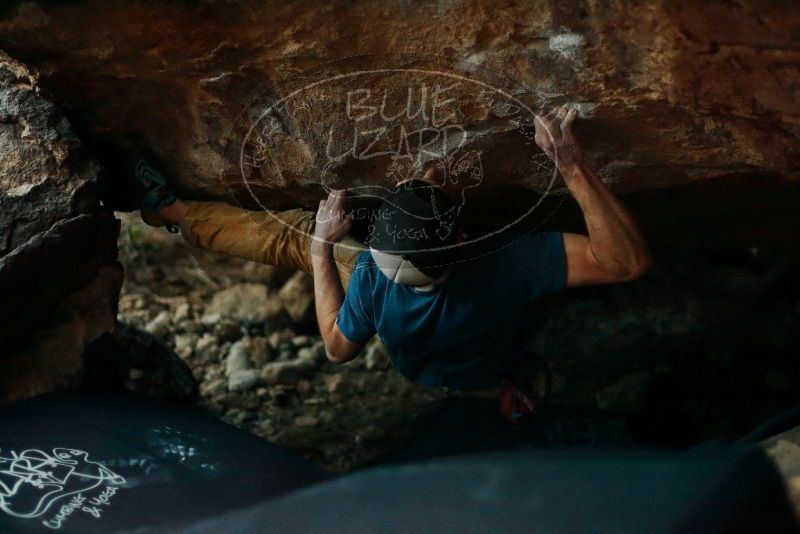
446, 320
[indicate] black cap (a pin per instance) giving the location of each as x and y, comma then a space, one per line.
417, 221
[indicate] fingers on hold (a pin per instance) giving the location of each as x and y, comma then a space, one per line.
571, 116
566, 124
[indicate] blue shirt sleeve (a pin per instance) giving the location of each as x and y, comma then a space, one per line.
355, 317
546, 263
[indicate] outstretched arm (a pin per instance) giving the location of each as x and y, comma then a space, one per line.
332, 226
614, 250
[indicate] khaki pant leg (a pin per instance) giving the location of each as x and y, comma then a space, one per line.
275, 237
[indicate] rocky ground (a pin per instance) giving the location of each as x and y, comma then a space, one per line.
705, 346
246, 331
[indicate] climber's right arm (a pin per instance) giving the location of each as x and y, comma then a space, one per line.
614, 249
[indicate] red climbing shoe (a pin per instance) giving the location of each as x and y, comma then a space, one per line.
515, 405
527, 389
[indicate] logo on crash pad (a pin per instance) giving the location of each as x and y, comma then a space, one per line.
34, 482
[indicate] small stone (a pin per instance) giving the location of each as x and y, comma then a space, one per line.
227, 330
256, 329
243, 380
184, 344
213, 371
285, 351
250, 402
207, 348
191, 327
212, 388
375, 356
301, 341
211, 319
287, 372
303, 386
136, 374
238, 357
306, 420
260, 351
235, 416
182, 312
159, 326
334, 383
266, 428
315, 354
280, 336
244, 302
297, 297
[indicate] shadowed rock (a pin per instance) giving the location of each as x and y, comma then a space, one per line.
59, 279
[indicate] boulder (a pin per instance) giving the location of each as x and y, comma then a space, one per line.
59, 279
689, 107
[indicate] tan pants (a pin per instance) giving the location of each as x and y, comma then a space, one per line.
280, 238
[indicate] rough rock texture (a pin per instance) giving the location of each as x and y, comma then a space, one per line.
674, 93
59, 279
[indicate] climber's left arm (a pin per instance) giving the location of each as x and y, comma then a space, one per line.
614, 250
332, 225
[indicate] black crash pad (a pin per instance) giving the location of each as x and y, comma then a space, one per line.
109, 463
122, 463
713, 490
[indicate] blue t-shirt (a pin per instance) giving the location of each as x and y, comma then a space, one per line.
469, 332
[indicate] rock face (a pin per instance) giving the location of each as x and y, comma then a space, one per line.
691, 109
59, 279
259, 102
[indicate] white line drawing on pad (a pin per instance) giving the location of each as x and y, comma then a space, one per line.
33, 480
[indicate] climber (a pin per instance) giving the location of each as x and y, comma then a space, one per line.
445, 322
